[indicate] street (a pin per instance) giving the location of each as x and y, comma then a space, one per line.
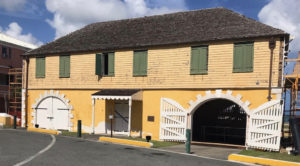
19, 147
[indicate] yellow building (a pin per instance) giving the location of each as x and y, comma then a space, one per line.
204, 70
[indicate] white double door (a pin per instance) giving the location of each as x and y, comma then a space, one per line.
121, 117
52, 113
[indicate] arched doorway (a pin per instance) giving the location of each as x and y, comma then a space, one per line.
219, 121
52, 113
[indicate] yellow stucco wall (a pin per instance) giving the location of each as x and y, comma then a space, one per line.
150, 106
168, 67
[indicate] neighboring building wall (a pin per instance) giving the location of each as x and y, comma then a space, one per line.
12, 59
168, 67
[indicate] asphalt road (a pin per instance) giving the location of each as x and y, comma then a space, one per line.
27, 148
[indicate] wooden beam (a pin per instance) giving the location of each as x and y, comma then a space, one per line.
289, 60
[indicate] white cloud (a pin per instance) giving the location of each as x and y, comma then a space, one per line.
285, 15
15, 30
70, 15
12, 5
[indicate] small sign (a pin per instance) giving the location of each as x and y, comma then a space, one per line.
151, 118
111, 116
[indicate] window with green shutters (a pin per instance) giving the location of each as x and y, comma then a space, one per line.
243, 57
105, 64
199, 58
140, 60
40, 67
64, 66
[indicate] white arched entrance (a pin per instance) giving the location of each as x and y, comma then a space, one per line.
217, 97
52, 111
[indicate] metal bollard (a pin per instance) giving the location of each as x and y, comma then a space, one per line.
188, 141
15, 122
79, 128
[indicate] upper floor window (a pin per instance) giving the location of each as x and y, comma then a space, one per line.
40, 67
140, 60
64, 66
3, 79
6, 52
243, 57
199, 58
105, 64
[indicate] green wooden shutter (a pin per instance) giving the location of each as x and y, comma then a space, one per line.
143, 62
194, 60
140, 63
61, 66
136, 66
64, 66
111, 64
238, 58
67, 66
98, 64
199, 57
243, 57
248, 60
40, 67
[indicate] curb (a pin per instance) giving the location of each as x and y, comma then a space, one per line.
55, 132
261, 161
126, 142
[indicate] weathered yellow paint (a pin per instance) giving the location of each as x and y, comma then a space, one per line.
43, 130
150, 106
126, 142
261, 161
168, 67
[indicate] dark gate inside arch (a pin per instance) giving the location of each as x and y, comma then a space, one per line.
219, 121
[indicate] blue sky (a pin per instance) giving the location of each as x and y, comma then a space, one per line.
42, 21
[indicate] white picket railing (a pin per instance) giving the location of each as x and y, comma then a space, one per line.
264, 128
172, 121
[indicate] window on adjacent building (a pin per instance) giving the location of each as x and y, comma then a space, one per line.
3, 79
140, 60
40, 67
105, 64
4, 52
243, 57
199, 58
64, 66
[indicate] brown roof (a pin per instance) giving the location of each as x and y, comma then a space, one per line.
168, 29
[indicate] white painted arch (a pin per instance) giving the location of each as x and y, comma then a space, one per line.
194, 105
58, 96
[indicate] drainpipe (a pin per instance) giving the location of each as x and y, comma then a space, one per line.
26, 92
272, 45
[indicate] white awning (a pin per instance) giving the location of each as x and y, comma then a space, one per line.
118, 94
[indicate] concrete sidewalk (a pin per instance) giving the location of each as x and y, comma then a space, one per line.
205, 151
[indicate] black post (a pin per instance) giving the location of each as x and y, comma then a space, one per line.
15, 122
79, 128
188, 141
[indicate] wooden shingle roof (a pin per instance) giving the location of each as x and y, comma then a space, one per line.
168, 29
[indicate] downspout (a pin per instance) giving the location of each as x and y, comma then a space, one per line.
26, 92
272, 45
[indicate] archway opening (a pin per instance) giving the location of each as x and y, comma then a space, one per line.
219, 121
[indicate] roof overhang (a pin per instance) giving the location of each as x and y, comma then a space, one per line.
118, 94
